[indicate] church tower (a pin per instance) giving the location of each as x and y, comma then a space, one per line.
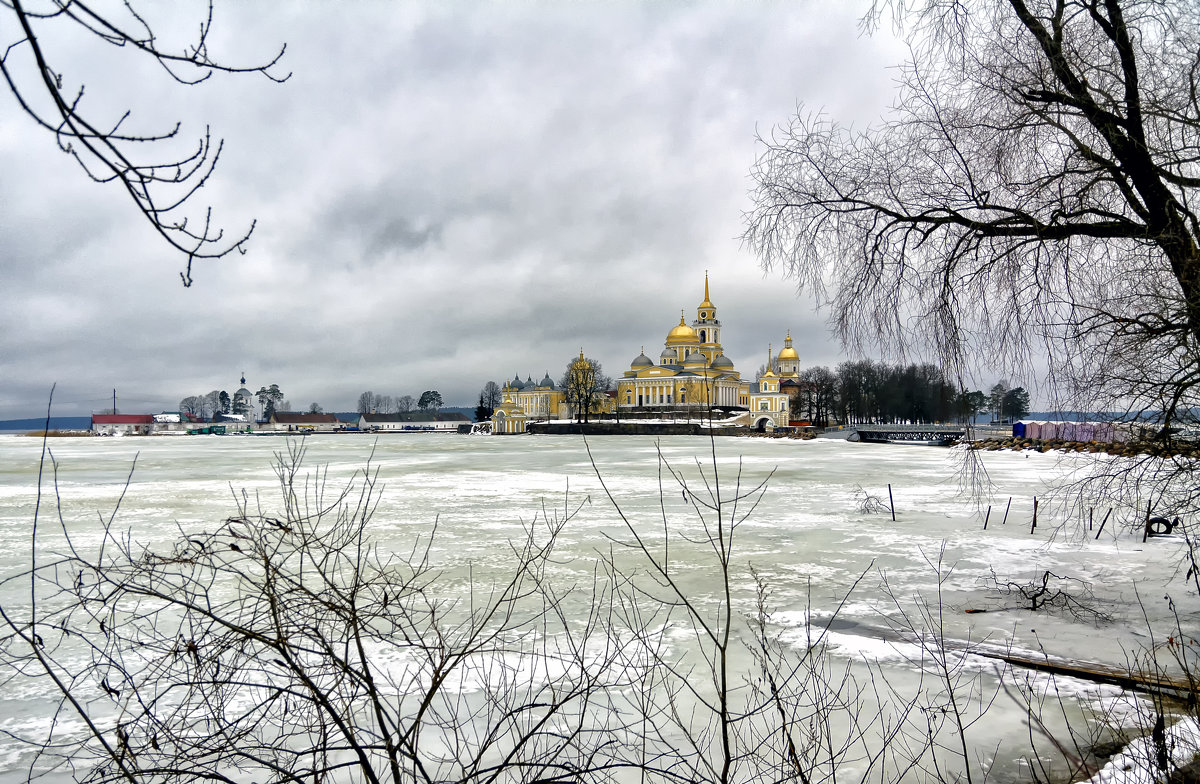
707, 327
768, 383
788, 360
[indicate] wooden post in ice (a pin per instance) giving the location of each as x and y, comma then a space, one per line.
1091, 513
891, 502
986, 516
1005, 521
1102, 522
1032, 527
1146, 528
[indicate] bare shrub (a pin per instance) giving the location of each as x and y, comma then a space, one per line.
285, 645
1051, 592
866, 503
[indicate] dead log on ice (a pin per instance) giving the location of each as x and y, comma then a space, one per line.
1178, 687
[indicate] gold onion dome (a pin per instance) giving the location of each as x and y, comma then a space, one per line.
682, 333
509, 407
788, 353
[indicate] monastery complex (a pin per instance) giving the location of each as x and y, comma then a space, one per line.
692, 378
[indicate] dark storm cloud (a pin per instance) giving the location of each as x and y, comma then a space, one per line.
444, 194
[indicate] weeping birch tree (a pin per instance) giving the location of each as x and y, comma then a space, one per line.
1033, 188
1029, 201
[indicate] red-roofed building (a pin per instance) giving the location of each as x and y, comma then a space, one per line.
122, 424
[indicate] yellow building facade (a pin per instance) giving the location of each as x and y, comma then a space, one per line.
691, 377
538, 400
693, 374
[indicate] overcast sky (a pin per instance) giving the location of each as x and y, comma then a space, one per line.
445, 194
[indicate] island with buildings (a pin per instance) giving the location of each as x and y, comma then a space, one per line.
693, 382
690, 386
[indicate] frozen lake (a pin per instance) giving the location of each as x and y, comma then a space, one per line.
809, 537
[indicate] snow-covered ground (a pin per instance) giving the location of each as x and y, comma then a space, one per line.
810, 539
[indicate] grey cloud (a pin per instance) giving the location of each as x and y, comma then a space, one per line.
445, 194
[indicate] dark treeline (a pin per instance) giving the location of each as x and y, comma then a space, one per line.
862, 391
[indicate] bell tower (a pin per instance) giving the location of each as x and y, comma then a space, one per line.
707, 326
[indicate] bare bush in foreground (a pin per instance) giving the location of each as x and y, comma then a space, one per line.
288, 647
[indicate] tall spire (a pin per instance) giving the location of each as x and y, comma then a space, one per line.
769, 372
707, 303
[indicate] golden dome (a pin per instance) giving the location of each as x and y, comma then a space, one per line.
682, 333
788, 354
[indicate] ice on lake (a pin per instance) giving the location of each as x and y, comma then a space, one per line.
809, 537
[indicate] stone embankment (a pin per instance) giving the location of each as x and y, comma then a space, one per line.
636, 428
1186, 449
801, 436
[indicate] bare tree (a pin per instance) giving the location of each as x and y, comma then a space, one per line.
285, 646
384, 404
366, 403
161, 181
404, 404
212, 403
583, 386
1035, 186
818, 394
490, 395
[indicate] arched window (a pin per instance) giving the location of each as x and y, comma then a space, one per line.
702, 334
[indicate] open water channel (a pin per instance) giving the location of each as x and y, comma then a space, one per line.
809, 537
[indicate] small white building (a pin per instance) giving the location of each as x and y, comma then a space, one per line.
413, 421
122, 424
287, 421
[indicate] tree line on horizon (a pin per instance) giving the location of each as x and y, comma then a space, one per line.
371, 403
863, 391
